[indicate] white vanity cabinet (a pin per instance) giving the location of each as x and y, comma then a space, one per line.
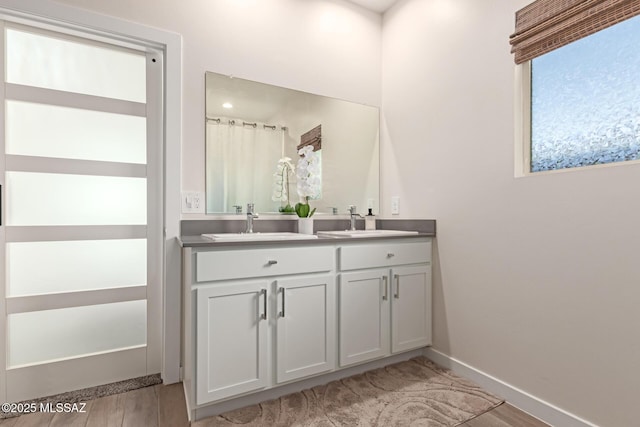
261, 308
364, 316
383, 310
231, 337
305, 326
257, 317
410, 307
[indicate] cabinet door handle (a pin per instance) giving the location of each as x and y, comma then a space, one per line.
385, 279
397, 279
282, 312
264, 306
272, 262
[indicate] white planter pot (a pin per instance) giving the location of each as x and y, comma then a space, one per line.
305, 225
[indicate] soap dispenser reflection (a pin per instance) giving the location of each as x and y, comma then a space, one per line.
370, 221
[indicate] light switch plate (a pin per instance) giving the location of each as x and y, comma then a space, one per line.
395, 205
192, 202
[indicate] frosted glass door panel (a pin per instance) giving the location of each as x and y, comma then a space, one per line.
52, 131
60, 199
75, 265
42, 336
56, 63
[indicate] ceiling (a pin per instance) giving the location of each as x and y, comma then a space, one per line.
379, 6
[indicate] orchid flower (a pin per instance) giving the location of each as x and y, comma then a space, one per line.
308, 180
281, 180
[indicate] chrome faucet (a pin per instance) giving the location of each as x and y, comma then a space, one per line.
354, 216
250, 217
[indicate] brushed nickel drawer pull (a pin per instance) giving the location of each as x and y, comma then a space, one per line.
282, 312
272, 262
263, 316
390, 255
397, 278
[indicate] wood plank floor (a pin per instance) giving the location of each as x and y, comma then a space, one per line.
505, 415
164, 406
155, 406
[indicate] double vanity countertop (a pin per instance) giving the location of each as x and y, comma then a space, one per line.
192, 231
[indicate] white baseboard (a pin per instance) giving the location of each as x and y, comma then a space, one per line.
524, 401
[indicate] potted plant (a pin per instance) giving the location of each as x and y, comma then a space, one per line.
308, 186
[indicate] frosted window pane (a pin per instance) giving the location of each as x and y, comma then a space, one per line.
41, 336
75, 265
585, 101
60, 199
52, 131
47, 62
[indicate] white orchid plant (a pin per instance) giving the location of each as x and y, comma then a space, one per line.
308, 180
281, 184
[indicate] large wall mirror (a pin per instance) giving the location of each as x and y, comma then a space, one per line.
251, 127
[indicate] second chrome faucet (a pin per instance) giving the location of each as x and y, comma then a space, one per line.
251, 215
354, 217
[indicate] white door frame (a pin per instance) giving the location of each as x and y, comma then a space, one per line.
44, 13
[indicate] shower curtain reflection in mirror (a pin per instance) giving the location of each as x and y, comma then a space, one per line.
241, 159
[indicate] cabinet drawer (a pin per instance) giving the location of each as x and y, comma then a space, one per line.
373, 255
244, 263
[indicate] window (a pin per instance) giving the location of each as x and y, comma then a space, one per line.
585, 101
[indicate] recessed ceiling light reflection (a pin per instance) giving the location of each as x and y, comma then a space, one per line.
227, 105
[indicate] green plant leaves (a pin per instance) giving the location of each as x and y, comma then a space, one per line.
286, 209
304, 210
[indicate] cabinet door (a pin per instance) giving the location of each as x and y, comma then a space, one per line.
364, 316
231, 324
305, 331
410, 308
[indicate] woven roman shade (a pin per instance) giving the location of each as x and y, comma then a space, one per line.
313, 138
545, 25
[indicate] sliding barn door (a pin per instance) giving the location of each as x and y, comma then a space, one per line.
81, 212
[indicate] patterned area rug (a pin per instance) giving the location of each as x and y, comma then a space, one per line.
412, 393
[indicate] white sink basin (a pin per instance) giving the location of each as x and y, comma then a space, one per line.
365, 233
250, 237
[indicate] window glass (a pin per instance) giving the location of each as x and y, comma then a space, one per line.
66, 199
77, 265
56, 63
53, 131
48, 335
585, 101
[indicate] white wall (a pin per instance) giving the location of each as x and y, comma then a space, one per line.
537, 280
328, 47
